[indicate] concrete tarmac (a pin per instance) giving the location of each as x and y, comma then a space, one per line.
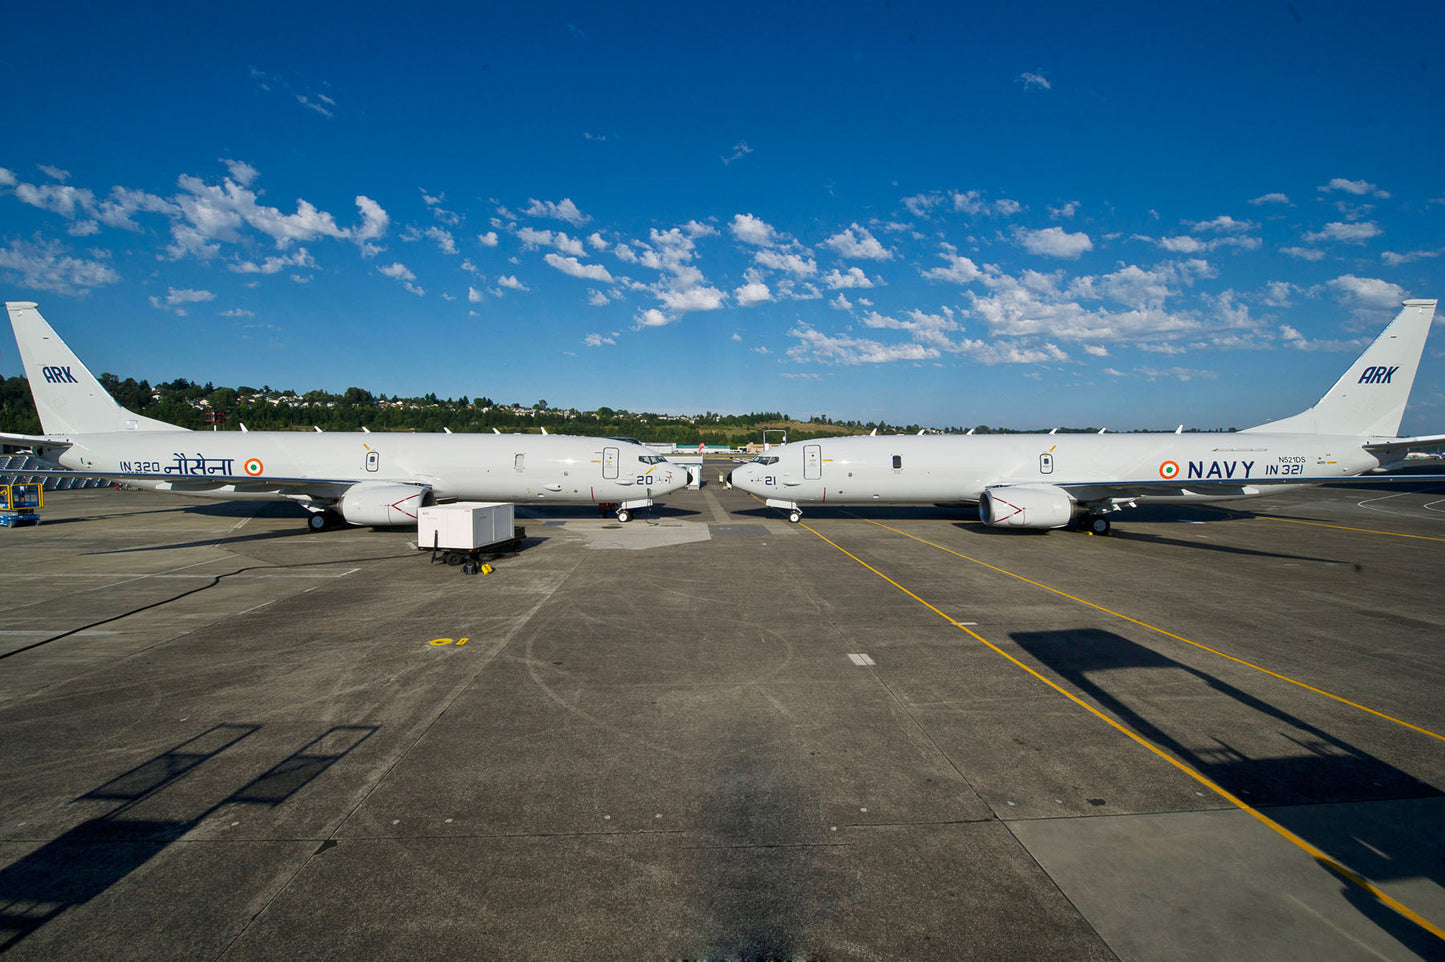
884, 733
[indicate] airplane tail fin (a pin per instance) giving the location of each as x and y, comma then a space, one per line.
1369, 399
67, 396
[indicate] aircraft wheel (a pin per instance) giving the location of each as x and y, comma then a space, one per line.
1097, 524
795, 516
623, 515
318, 521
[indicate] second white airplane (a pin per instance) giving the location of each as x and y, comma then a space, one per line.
358, 478
1053, 481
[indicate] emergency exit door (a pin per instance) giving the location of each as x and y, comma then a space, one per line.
812, 462
609, 462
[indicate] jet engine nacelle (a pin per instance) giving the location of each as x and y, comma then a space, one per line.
1026, 506
379, 503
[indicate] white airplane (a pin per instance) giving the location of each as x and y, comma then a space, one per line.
1055, 480
361, 478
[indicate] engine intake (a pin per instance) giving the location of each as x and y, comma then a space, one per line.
381, 503
1026, 506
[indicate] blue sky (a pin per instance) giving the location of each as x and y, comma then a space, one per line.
1129, 215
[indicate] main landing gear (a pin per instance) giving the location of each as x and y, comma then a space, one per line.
1093, 524
322, 520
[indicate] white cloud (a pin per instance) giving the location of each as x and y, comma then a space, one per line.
398, 272
959, 270
510, 282
739, 150
176, 299
1360, 188
572, 267
241, 172
754, 292
698, 298
374, 222
1304, 253
1367, 293
796, 264
275, 265
1349, 233
1053, 242
546, 238
1273, 198
854, 278
1133, 305
321, 108
1292, 338
55, 198
442, 237
45, 266
753, 230
857, 243
489, 239
1278, 293
1033, 80
1227, 224
652, 317
815, 346
597, 340
564, 211
1395, 260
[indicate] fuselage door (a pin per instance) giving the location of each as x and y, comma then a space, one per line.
1046, 464
373, 461
519, 461
812, 462
609, 462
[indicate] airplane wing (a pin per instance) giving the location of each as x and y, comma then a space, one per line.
321, 489
1396, 447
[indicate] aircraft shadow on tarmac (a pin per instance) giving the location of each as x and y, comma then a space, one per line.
96, 854
1383, 842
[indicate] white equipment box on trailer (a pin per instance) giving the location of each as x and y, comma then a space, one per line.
465, 525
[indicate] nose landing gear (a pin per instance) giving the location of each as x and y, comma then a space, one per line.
795, 513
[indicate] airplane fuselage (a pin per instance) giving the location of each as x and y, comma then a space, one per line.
484, 467
957, 468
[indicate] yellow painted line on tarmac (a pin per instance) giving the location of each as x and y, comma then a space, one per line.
1318, 854
1341, 527
1168, 634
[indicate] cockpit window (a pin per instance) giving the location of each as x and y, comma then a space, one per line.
760, 459
651, 458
